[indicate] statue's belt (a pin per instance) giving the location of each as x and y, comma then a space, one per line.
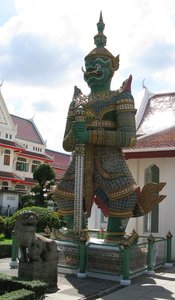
102, 124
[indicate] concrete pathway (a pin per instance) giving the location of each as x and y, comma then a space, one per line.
161, 286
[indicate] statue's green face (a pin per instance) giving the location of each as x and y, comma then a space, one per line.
98, 74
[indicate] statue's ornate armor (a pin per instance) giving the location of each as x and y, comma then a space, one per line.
108, 127
110, 118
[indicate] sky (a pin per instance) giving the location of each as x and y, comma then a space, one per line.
43, 44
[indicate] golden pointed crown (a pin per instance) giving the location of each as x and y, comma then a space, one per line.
100, 50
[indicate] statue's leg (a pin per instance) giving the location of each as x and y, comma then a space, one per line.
116, 229
69, 221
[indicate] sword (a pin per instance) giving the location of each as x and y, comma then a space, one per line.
79, 177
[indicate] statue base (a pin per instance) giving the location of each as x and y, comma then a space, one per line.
44, 271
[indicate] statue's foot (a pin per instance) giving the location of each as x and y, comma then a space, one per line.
122, 238
66, 234
149, 197
114, 237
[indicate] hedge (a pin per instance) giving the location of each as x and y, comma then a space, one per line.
45, 218
22, 294
10, 283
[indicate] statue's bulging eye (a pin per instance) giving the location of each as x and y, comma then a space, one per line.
98, 66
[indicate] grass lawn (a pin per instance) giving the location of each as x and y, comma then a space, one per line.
5, 241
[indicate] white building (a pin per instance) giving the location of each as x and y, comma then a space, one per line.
22, 149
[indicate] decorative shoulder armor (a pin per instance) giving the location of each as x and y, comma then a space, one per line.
126, 85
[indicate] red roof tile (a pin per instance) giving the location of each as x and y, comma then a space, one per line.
60, 162
26, 130
40, 156
10, 144
9, 176
157, 140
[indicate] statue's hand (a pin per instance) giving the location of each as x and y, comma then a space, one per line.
80, 133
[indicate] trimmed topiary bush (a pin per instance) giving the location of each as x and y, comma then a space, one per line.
19, 295
10, 283
45, 218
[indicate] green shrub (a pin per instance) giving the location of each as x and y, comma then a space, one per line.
9, 283
8, 227
19, 295
45, 218
2, 224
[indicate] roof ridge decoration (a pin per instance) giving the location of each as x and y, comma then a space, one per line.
5, 117
41, 138
31, 122
147, 96
2, 81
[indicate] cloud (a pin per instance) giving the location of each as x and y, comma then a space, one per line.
34, 59
7, 10
43, 106
160, 55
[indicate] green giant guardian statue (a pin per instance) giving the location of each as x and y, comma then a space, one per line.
108, 126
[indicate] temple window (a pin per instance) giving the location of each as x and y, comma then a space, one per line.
5, 185
35, 164
19, 187
7, 157
151, 220
22, 164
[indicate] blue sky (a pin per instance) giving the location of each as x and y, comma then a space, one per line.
43, 44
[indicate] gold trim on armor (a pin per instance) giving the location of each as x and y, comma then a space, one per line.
102, 124
124, 192
99, 115
104, 95
64, 194
124, 213
96, 137
115, 233
66, 212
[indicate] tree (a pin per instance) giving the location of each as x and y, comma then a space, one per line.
45, 176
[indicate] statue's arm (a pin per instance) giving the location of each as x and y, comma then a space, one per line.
68, 143
125, 134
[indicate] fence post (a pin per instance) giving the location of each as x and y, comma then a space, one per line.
126, 263
150, 256
13, 263
169, 263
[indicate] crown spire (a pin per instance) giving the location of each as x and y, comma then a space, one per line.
100, 50
100, 24
100, 38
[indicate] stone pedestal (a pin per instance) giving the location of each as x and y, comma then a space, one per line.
44, 271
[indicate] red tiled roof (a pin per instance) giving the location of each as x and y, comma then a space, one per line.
60, 162
157, 144
10, 144
26, 130
39, 156
9, 176
162, 139
30, 180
